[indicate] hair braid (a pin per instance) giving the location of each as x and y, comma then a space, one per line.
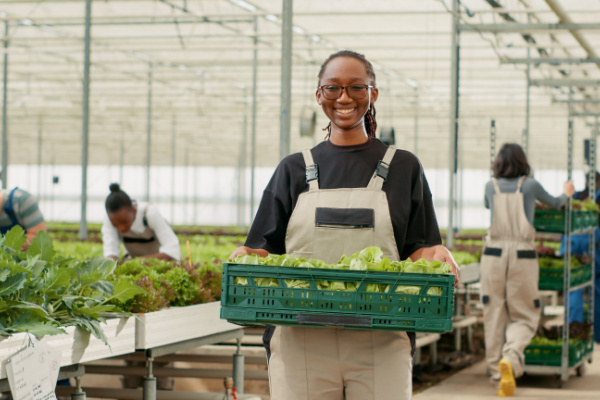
370, 122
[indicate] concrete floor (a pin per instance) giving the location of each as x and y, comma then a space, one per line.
472, 383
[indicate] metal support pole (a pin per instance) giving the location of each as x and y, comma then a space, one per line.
592, 192
149, 385
567, 270
83, 231
525, 140
492, 146
416, 122
253, 140
149, 132
121, 158
39, 160
454, 112
238, 369
4, 172
78, 394
195, 199
286, 77
242, 173
173, 170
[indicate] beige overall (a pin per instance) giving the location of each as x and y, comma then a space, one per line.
334, 363
509, 283
141, 244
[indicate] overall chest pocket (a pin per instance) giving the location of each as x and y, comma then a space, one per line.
345, 218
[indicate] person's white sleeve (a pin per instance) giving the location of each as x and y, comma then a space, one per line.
110, 239
169, 243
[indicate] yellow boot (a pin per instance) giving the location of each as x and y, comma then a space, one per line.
507, 379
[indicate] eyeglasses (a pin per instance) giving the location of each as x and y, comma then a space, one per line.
334, 92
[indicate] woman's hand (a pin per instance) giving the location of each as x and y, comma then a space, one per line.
244, 250
438, 253
568, 188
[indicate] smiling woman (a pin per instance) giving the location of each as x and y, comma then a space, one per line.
347, 193
348, 106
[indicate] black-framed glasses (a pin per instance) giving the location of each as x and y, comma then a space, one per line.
334, 92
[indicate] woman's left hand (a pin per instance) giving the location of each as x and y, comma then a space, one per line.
439, 253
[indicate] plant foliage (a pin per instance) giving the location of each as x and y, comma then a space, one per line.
41, 292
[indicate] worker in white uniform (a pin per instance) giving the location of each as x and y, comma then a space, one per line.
145, 234
509, 265
347, 193
140, 226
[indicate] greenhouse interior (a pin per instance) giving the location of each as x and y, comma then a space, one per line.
171, 226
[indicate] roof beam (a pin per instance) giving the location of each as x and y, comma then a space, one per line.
553, 61
527, 28
565, 82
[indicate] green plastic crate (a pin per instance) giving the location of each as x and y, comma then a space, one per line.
552, 278
551, 355
554, 220
254, 305
588, 347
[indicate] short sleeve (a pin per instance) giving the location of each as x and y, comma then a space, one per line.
110, 239
169, 243
422, 229
268, 230
27, 209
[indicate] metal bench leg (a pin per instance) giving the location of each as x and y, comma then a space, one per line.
470, 338
417, 357
238, 369
79, 394
433, 354
149, 387
457, 337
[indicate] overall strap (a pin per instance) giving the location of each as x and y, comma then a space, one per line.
520, 183
496, 187
312, 171
9, 208
383, 167
145, 218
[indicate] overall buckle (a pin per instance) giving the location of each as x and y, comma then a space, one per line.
312, 172
382, 169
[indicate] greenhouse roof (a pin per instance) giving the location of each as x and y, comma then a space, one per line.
190, 63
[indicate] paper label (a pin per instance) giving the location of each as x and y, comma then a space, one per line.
30, 376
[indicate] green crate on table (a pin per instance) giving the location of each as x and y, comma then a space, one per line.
554, 220
255, 305
552, 278
588, 347
551, 354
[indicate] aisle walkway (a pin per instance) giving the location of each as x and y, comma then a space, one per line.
472, 383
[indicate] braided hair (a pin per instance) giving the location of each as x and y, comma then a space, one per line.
117, 199
370, 122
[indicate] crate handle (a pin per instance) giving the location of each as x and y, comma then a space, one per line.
334, 320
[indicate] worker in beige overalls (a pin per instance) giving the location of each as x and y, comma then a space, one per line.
141, 228
347, 193
145, 234
509, 266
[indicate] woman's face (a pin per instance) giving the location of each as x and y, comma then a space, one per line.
346, 114
123, 218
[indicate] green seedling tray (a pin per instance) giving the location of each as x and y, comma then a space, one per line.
551, 355
253, 305
552, 278
554, 220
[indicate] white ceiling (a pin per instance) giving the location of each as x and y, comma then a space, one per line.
201, 55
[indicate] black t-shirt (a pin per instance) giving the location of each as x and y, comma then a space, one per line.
411, 207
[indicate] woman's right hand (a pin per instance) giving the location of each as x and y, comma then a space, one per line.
244, 250
569, 189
